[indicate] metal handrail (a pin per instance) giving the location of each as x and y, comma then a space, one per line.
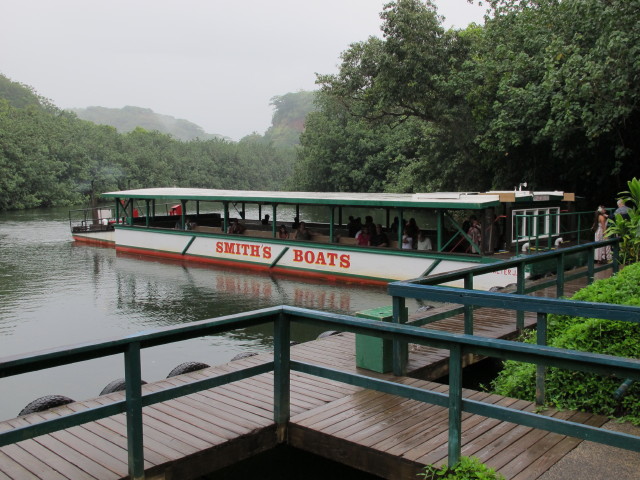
282, 318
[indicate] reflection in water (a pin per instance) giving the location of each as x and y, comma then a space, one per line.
54, 293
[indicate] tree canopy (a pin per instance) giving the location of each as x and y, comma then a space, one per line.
49, 157
545, 92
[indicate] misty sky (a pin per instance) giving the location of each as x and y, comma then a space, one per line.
214, 63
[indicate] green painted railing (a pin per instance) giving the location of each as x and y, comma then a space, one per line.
518, 265
283, 317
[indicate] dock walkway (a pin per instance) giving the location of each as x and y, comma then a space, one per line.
383, 434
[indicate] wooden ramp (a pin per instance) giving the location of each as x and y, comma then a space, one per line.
386, 435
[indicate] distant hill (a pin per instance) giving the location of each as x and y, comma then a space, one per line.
128, 118
19, 95
288, 119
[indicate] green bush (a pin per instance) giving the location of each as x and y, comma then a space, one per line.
468, 468
568, 389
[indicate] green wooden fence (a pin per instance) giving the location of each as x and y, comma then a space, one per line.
284, 316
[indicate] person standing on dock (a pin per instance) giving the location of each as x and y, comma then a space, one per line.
622, 210
602, 254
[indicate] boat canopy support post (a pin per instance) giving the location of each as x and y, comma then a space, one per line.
489, 234
147, 212
226, 216
183, 215
340, 216
331, 222
400, 226
440, 229
274, 213
117, 209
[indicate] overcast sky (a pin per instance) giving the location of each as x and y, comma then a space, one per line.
214, 63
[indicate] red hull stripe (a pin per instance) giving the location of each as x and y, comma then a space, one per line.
252, 266
94, 241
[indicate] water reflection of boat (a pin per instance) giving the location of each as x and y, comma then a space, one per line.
195, 226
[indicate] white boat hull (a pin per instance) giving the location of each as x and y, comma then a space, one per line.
365, 265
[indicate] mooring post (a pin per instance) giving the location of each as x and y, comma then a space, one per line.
281, 376
541, 370
455, 404
400, 348
133, 389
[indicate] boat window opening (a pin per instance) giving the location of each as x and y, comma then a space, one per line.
532, 224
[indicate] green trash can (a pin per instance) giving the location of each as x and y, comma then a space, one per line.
374, 353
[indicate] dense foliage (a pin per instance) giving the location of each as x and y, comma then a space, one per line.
627, 227
50, 157
468, 468
574, 390
546, 92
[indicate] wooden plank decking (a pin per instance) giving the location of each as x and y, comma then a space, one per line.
383, 434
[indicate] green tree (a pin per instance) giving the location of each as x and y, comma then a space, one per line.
395, 117
557, 94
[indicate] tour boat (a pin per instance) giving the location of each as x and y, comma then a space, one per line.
196, 224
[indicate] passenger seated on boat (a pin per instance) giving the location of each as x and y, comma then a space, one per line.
364, 239
265, 220
189, 225
353, 227
407, 240
379, 239
283, 232
475, 233
236, 227
424, 242
303, 232
412, 230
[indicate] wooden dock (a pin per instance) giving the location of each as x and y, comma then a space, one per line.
379, 433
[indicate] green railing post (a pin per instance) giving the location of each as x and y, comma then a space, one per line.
468, 309
541, 370
520, 291
281, 376
455, 404
579, 229
133, 388
400, 347
560, 276
590, 266
615, 266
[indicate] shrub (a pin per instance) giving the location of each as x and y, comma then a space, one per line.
468, 468
574, 390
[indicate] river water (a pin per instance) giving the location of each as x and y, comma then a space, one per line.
54, 292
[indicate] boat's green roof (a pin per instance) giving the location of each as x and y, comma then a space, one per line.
461, 200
